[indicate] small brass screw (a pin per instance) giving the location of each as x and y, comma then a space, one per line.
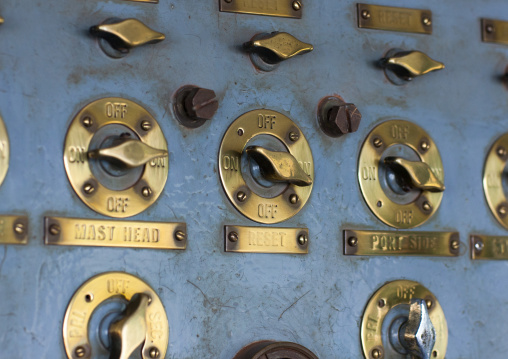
455, 244
180, 236
241, 196
381, 303
19, 228
146, 125
233, 237
240, 132
54, 229
427, 21
366, 14
87, 122
489, 28
478, 246
293, 136
352, 241
428, 302
80, 352
502, 210
426, 206
146, 191
501, 151
297, 5
293, 199
424, 145
88, 188
302, 239
154, 352
376, 354
378, 142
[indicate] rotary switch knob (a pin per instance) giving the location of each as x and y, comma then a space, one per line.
266, 166
116, 157
403, 66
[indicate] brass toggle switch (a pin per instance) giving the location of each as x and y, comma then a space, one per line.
131, 153
415, 174
123, 35
279, 166
402, 66
268, 50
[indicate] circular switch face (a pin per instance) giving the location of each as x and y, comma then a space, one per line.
260, 196
121, 181
401, 174
4, 151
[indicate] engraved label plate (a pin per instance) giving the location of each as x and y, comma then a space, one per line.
104, 233
489, 247
495, 31
13, 229
282, 8
401, 243
266, 240
394, 19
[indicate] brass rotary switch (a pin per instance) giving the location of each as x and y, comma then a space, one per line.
117, 316
266, 166
116, 157
267, 349
404, 318
401, 174
4, 151
403, 66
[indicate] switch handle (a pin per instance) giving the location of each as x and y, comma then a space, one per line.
280, 45
279, 166
126, 34
414, 63
418, 335
128, 333
417, 174
132, 153
1, 20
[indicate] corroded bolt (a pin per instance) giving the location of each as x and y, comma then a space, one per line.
54, 229
180, 236
154, 352
201, 104
146, 125
302, 239
80, 352
293, 199
146, 191
233, 237
343, 119
352, 241
19, 228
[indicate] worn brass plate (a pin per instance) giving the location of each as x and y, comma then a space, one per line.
101, 233
4, 151
114, 111
489, 247
281, 8
255, 207
394, 19
389, 133
400, 243
389, 296
94, 292
243, 239
495, 31
13, 230
493, 173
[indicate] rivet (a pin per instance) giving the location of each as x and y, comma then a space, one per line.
366, 14
293, 199
19, 228
378, 142
154, 352
428, 302
381, 303
302, 239
294, 136
352, 241
426, 206
501, 151
424, 145
54, 229
233, 237
80, 352
297, 5
489, 28
502, 210
455, 244
427, 21
180, 236
478, 246
146, 125
87, 122
376, 354
146, 191
88, 188
241, 196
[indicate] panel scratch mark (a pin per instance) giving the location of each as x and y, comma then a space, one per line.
292, 305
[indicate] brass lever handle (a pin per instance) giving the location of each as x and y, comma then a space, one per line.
413, 63
1, 20
126, 34
279, 166
280, 45
417, 174
132, 153
128, 333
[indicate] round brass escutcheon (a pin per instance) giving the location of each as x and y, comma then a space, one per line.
271, 349
98, 290
4, 151
398, 206
126, 180
390, 299
255, 197
494, 179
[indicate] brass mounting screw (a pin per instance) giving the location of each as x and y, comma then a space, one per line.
146, 125
427, 21
502, 210
80, 352
366, 14
87, 122
154, 352
478, 246
180, 236
429, 303
241, 196
233, 237
378, 142
455, 244
146, 191
54, 229
376, 354
88, 188
426, 206
293, 136
489, 28
302, 239
297, 5
293, 199
501, 151
352, 241
424, 145
19, 228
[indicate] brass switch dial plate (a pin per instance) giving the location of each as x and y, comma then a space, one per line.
96, 291
137, 122
403, 134
493, 173
392, 295
252, 205
4, 151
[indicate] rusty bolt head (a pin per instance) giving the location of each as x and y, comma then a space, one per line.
201, 104
344, 119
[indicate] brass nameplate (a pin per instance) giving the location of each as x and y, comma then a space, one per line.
401, 243
489, 247
394, 19
105, 233
282, 8
495, 31
13, 230
266, 240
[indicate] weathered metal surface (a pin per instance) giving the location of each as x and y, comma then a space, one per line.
219, 302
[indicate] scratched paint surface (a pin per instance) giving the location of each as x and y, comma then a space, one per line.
218, 302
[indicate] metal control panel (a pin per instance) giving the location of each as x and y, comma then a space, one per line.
253, 177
